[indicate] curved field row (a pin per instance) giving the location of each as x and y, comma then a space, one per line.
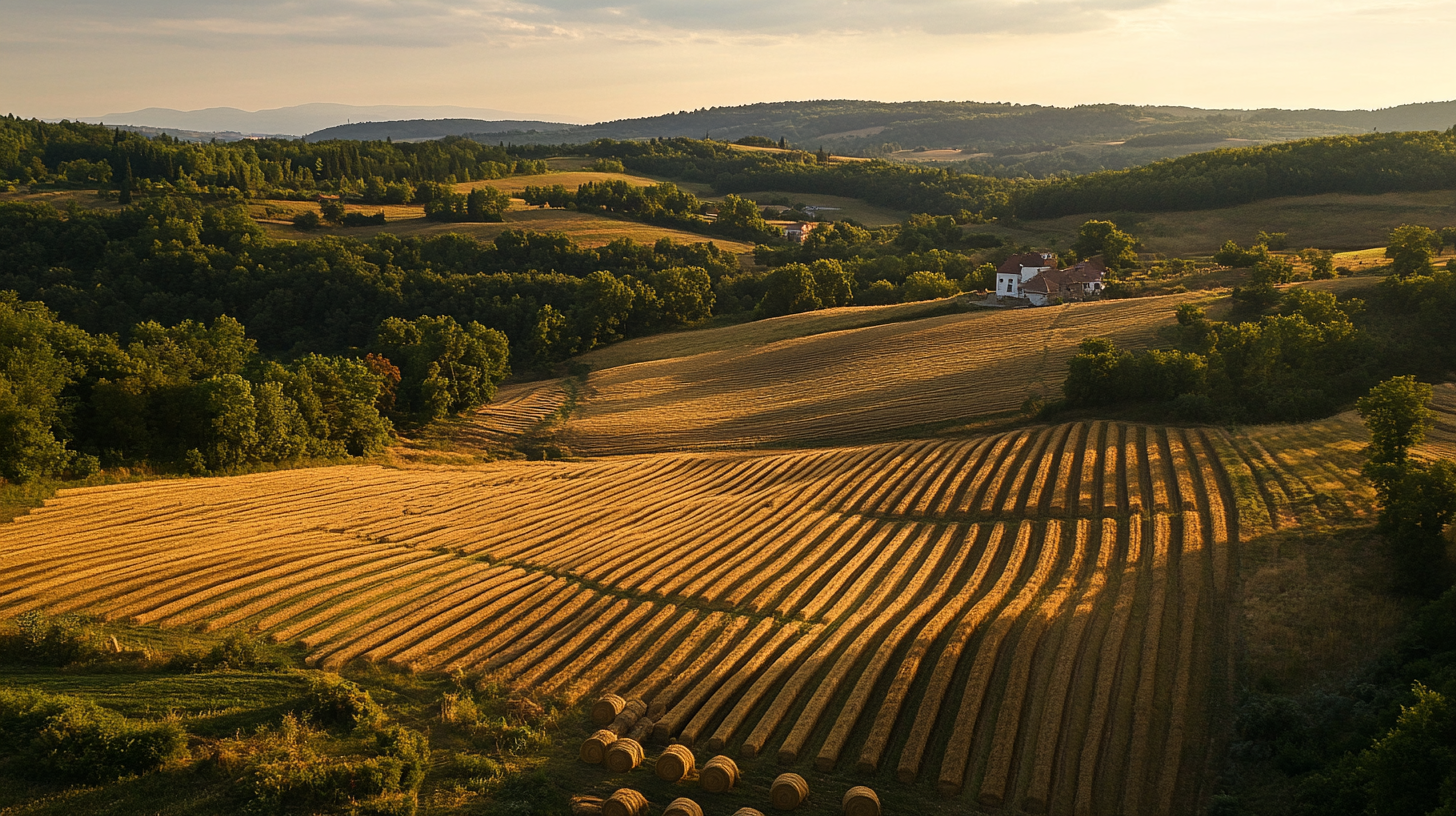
852, 383
936, 611
514, 412
1308, 472
1441, 439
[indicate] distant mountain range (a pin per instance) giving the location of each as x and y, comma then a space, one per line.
301, 119
420, 129
977, 126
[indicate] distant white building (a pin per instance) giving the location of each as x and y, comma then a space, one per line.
796, 232
1017, 270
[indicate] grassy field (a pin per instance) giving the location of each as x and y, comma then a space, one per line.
1335, 221
409, 220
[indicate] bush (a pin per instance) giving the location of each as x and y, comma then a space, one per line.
285, 769
40, 641
78, 741
358, 219
308, 220
332, 700
237, 652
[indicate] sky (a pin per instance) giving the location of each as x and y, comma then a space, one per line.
589, 60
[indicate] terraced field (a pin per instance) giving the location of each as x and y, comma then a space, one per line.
839, 386
1036, 620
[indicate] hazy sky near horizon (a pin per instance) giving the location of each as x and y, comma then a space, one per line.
593, 59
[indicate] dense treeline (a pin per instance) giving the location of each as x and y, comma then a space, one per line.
664, 204
91, 155
731, 170
174, 259
71, 401
1370, 163
35, 152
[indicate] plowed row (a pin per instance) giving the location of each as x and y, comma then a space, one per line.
1030, 620
845, 384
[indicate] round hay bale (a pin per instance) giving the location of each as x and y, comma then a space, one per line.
747, 811
788, 791
719, 775
861, 801
625, 802
606, 709
675, 764
624, 755
594, 749
683, 806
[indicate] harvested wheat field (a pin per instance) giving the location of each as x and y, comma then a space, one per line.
845, 385
1035, 620
516, 410
1441, 439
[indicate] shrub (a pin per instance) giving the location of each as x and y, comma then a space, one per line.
332, 700
308, 220
284, 769
78, 741
358, 219
237, 652
40, 641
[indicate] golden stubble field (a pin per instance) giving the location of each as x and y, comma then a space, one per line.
842, 385
1034, 619
1047, 619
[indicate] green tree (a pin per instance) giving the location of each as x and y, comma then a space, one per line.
603, 309
331, 211
1117, 248
927, 286
789, 289
445, 368
282, 434
1411, 770
550, 336
124, 187
1321, 263
833, 284
1397, 414
685, 294
1410, 249
233, 419
40, 358
740, 217
1236, 257
486, 203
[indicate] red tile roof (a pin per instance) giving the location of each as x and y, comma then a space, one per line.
1052, 282
1013, 265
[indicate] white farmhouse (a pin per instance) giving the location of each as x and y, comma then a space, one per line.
1080, 281
1017, 270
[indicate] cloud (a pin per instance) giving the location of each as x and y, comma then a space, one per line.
506, 23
